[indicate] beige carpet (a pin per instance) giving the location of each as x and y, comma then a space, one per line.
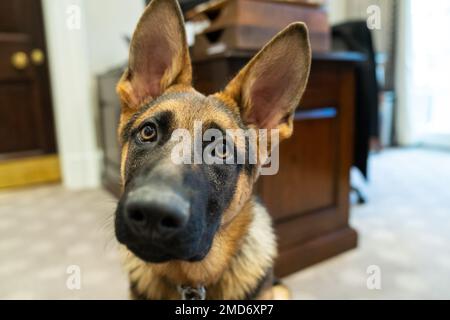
404, 230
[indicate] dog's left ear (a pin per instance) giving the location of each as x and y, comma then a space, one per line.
159, 55
268, 90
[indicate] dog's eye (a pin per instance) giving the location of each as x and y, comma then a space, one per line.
222, 150
148, 133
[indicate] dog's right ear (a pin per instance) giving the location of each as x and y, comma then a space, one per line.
269, 88
159, 55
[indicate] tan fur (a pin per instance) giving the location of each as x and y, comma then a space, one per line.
268, 64
160, 40
281, 292
242, 253
244, 247
123, 160
237, 260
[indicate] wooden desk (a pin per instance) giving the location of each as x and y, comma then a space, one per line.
309, 198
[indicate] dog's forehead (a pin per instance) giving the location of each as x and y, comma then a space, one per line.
187, 108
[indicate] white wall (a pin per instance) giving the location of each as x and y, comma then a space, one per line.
108, 22
403, 81
75, 57
337, 11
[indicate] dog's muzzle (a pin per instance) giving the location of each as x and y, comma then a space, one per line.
163, 215
155, 214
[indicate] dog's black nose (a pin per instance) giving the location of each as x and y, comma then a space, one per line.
148, 218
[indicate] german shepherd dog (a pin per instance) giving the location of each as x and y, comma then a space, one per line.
195, 231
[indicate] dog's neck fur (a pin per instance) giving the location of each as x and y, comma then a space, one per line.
224, 275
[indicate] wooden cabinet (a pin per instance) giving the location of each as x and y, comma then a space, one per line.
109, 120
309, 197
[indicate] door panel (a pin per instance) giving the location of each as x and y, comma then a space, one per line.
11, 18
26, 120
27, 139
17, 122
14, 44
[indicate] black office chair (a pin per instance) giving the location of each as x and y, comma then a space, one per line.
355, 36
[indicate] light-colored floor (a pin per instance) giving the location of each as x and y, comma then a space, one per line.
404, 231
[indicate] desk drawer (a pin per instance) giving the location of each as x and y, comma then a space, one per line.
323, 87
307, 175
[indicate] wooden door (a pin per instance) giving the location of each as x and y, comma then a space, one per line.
27, 138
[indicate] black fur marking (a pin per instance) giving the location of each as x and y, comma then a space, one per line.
249, 168
140, 152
